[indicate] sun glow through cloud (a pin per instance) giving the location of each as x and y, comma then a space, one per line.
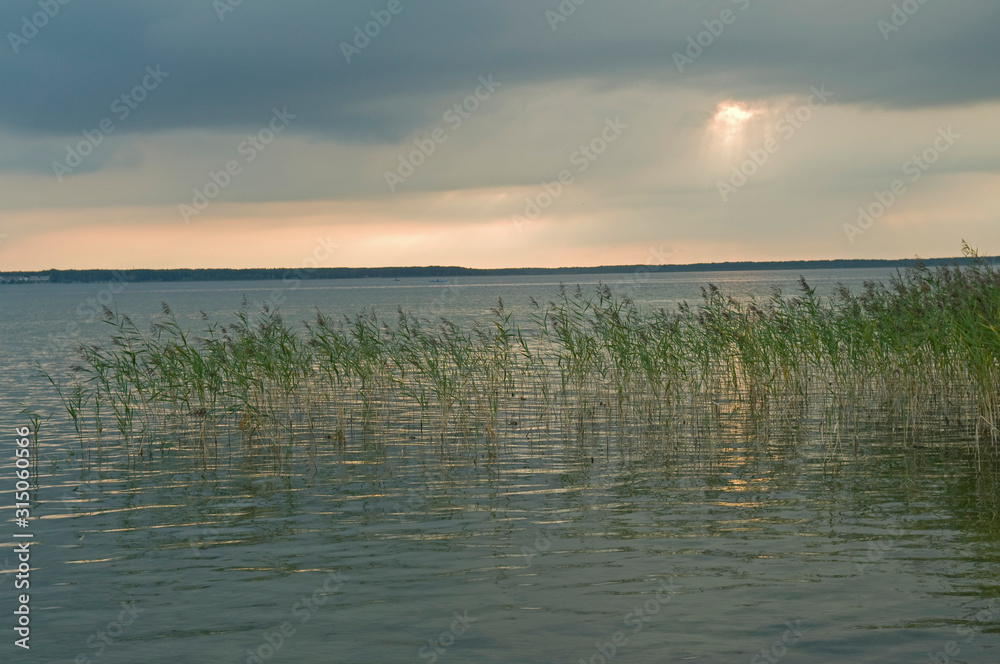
730, 119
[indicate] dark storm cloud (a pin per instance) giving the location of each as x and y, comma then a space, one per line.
230, 72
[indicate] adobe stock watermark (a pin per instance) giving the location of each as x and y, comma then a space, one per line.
780, 647
635, 620
900, 16
914, 168
787, 128
542, 544
954, 648
292, 280
446, 298
205, 537
878, 548
454, 117
87, 311
303, 611
223, 7
363, 35
249, 149
562, 12
30, 25
582, 159
642, 273
80, 494
416, 499
697, 44
437, 646
105, 638
122, 107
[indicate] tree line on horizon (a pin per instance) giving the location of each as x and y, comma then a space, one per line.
272, 274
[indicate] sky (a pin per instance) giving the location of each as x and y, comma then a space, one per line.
249, 133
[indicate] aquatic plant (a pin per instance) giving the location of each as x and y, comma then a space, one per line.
919, 351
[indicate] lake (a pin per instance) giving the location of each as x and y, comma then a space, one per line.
730, 546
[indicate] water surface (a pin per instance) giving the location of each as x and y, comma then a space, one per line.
701, 547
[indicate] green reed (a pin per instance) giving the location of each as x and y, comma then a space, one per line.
920, 351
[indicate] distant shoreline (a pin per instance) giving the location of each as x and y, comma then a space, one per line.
269, 274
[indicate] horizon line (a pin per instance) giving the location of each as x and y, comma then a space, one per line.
307, 271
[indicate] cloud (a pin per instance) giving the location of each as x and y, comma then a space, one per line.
225, 73
560, 82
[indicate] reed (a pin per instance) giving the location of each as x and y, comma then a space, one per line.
918, 352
